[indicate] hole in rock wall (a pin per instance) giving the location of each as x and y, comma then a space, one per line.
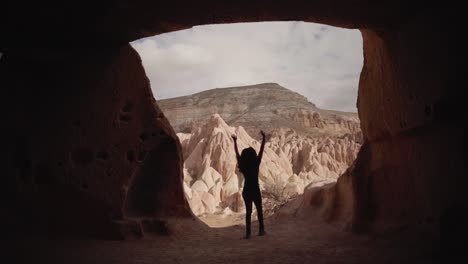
296, 81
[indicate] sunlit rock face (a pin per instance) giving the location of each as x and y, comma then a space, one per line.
212, 181
264, 106
308, 145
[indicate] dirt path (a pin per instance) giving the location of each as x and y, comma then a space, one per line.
288, 241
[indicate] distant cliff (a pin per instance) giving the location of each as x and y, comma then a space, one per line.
263, 106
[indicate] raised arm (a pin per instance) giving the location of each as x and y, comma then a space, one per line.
262, 147
235, 148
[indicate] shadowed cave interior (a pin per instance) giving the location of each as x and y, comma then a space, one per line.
85, 134
141, 200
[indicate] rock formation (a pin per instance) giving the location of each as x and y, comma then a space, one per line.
110, 160
290, 162
309, 145
69, 137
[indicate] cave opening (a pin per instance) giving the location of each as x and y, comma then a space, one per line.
285, 80
70, 92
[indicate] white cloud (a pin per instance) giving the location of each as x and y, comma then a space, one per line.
318, 61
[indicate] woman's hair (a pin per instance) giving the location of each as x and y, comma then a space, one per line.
248, 160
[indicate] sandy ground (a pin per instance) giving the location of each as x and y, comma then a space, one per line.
288, 240
220, 220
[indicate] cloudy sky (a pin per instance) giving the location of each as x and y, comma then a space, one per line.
318, 61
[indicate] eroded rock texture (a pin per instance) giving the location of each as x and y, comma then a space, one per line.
408, 105
309, 145
264, 106
77, 104
89, 146
410, 169
290, 162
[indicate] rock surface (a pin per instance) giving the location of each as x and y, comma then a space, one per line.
410, 171
89, 150
308, 145
212, 181
263, 106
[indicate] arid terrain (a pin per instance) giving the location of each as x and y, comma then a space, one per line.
307, 146
266, 106
288, 240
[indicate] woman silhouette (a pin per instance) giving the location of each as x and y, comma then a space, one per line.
249, 164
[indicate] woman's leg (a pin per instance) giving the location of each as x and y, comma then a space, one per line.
248, 215
258, 204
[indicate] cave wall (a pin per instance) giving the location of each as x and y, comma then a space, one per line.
83, 124
410, 170
73, 23
410, 107
81, 129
